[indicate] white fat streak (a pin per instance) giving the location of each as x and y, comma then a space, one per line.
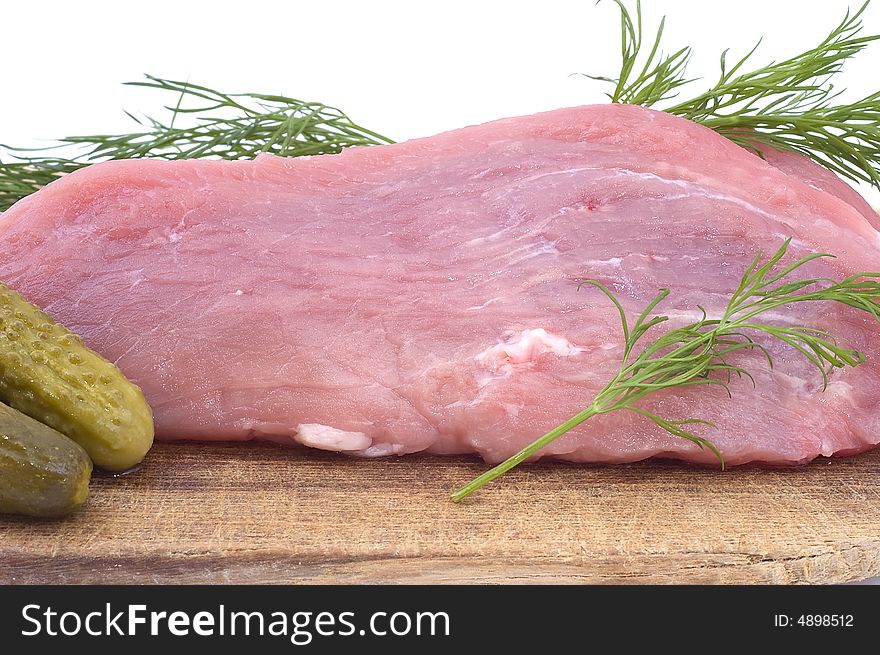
613, 261
530, 345
498, 373
844, 391
478, 241
325, 437
694, 315
691, 188
382, 450
526, 252
485, 304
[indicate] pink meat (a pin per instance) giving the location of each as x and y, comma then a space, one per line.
424, 296
819, 177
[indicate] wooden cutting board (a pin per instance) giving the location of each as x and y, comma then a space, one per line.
256, 513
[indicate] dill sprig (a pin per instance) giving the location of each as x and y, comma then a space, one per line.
702, 352
787, 105
226, 126
660, 75
21, 178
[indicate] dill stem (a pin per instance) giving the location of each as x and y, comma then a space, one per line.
515, 460
687, 356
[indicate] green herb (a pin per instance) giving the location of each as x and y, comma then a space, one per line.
701, 353
660, 75
787, 105
236, 126
21, 178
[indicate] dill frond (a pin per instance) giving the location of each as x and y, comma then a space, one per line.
203, 123
699, 354
788, 105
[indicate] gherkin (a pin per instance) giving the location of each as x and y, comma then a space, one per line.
48, 373
42, 472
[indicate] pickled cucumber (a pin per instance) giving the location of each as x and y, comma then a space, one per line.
42, 472
48, 373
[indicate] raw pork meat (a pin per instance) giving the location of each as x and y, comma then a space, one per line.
424, 296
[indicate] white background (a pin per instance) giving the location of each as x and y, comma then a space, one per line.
404, 69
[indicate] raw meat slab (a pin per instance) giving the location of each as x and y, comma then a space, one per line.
424, 296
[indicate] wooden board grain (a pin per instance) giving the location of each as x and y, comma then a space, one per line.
256, 513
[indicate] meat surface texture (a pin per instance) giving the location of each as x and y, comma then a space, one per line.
423, 297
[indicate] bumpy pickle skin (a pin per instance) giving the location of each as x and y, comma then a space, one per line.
48, 373
42, 472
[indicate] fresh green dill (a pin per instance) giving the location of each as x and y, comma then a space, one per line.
21, 178
660, 75
225, 126
787, 105
701, 353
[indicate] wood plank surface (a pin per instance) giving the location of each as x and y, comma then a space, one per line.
255, 513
